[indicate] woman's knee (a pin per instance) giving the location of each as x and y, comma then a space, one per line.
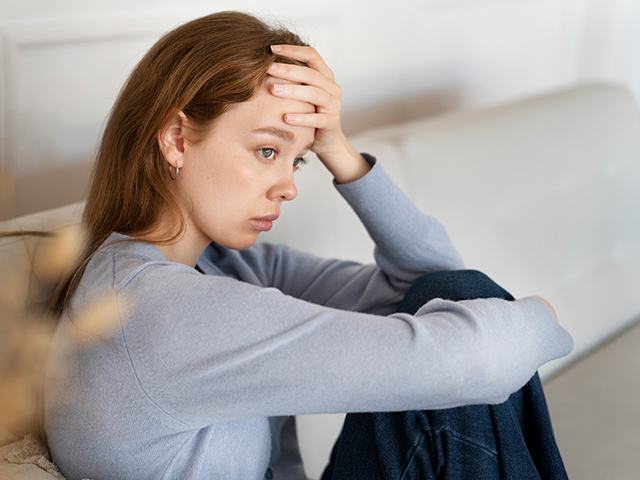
453, 285
418, 444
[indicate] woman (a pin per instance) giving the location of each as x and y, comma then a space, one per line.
223, 339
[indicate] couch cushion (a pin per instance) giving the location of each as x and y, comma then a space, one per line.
19, 251
543, 196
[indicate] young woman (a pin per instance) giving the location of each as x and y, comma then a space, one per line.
221, 340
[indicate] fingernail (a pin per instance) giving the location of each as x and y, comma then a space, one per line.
278, 88
274, 66
276, 48
290, 118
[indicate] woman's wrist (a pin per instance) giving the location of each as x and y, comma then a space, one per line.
345, 163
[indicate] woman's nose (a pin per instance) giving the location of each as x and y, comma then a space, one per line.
284, 188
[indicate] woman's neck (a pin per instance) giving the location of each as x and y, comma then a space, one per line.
176, 252
186, 249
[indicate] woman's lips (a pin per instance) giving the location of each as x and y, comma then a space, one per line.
265, 223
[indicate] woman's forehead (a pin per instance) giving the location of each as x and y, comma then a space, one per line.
265, 107
264, 115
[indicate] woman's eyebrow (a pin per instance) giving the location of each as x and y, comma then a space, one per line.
285, 135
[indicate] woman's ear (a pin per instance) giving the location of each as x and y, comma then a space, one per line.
171, 139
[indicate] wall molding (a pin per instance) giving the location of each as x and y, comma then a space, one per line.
18, 37
456, 4
4, 134
75, 29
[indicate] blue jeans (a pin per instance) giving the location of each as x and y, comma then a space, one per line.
513, 440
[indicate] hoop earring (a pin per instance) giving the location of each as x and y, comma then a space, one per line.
171, 175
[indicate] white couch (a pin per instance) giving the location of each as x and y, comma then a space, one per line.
543, 195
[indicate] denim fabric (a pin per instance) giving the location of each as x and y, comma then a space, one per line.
510, 441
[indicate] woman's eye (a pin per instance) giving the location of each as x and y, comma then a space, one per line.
298, 162
267, 153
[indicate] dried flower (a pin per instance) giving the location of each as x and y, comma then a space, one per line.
26, 332
59, 255
7, 194
98, 319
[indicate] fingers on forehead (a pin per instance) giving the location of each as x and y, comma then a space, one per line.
298, 74
308, 55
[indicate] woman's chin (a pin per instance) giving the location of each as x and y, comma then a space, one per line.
241, 243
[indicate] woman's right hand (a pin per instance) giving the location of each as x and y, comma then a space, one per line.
316, 84
549, 307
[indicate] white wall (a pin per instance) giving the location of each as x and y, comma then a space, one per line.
63, 62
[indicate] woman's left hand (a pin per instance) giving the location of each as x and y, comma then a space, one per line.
316, 84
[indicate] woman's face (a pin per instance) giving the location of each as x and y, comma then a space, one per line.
237, 177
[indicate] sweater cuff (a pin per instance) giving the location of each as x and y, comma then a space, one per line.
550, 334
369, 184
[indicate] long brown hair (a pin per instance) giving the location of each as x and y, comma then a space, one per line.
201, 68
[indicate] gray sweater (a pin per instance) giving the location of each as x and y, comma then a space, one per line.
204, 372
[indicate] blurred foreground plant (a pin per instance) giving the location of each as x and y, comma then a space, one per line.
7, 194
26, 328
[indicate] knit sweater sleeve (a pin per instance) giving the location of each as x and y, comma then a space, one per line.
408, 242
220, 349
